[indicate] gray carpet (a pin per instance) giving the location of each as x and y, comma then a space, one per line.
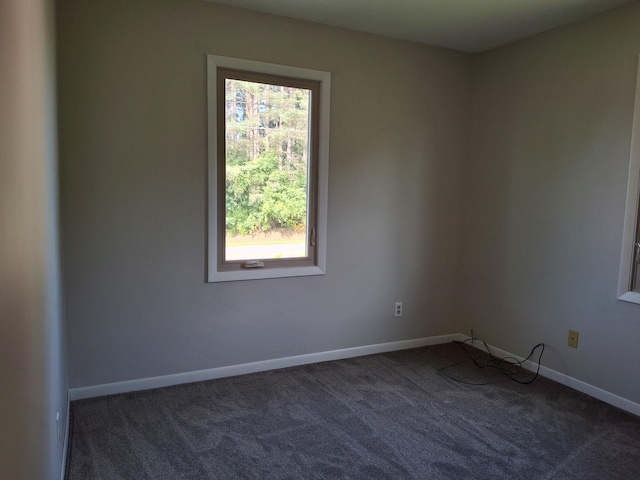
386, 416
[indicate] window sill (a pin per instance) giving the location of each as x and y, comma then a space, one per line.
258, 274
632, 297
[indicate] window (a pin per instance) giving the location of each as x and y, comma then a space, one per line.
268, 128
629, 279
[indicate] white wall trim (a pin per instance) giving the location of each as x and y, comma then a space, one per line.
631, 209
215, 275
579, 385
245, 368
65, 441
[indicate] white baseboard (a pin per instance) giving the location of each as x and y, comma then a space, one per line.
595, 392
242, 369
245, 368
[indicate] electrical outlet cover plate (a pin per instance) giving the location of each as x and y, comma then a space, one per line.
573, 339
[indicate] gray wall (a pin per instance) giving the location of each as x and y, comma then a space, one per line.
133, 155
545, 198
483, 191
32, 375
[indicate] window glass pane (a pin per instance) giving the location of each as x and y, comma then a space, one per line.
266, 170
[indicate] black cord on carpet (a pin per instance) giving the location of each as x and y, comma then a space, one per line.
508, 366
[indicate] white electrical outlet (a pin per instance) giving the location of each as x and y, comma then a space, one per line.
398, 309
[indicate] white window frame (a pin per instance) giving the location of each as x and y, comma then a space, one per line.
630, 230
213, 273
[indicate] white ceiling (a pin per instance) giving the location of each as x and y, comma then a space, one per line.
466, 25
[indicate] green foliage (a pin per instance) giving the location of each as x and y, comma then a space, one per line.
266, 164
261, 197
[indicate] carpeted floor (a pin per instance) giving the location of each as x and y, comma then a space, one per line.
386, 416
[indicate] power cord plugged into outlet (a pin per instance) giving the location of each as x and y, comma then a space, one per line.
508, 366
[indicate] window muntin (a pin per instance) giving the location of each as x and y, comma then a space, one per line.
240, 127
